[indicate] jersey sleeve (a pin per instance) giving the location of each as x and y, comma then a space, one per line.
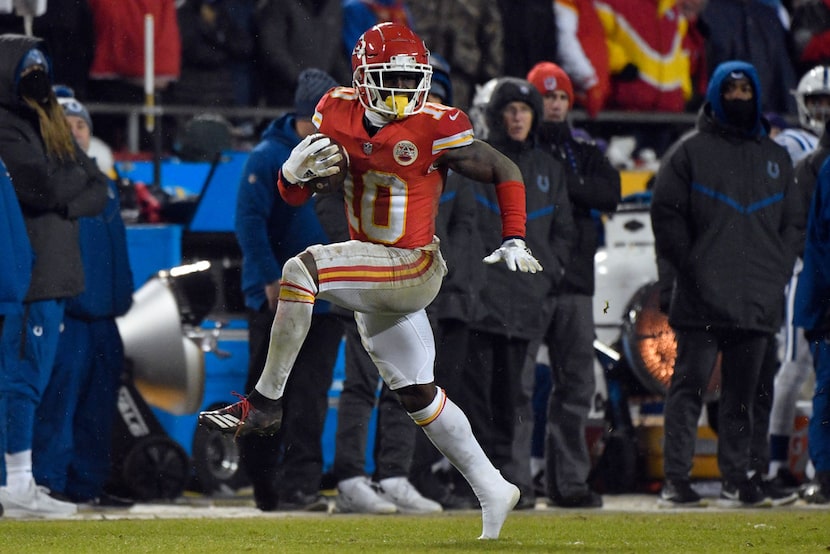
454, 129
327, 103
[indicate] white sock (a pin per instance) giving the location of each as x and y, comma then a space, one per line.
291, 324
18, 471
449, 430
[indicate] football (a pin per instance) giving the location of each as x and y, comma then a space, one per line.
334, 182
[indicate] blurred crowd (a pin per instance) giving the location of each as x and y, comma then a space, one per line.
627, 55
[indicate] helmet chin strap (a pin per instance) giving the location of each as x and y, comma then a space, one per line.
398, 104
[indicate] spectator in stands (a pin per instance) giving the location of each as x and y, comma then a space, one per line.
359, 15
751, 30
649, 67
474, 50
292, 36
648, 62
583, 53
593, 187
212, 42
74, 421
695, 44
243, 70
118, 66
285, 469
810, 32
56, 183
495, 391
66, 27
721, 284
529, 34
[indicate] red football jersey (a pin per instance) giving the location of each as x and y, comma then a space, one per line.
392, 197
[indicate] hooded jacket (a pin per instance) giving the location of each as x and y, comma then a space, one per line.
268, 230
726, 220
511, 303
52, 193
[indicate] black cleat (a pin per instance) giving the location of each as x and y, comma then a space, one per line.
252, 414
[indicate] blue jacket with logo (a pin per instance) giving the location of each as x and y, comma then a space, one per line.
727, 220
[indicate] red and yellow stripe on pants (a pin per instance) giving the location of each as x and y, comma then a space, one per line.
367, 277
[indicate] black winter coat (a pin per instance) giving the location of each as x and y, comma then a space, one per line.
514, 304
593, 185
727, 226
52, 194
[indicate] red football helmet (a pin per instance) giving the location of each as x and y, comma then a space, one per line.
392, 73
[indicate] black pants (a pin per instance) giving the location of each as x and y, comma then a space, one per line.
570, 342
697, 350
495, 398
291, 460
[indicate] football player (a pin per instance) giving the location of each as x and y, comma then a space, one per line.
400, 148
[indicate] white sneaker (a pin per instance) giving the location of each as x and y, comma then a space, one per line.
400, 492
357, 495
34, 502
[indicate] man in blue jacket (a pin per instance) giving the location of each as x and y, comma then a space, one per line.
285, 469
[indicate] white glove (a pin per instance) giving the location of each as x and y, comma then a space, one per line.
515, 254
312, 158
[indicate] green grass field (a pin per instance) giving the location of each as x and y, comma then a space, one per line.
767, 531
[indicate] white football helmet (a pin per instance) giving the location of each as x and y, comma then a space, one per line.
813, 115
381, 56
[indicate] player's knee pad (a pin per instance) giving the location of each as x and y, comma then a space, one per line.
297, 284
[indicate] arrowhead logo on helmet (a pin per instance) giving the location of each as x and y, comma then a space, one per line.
391, 71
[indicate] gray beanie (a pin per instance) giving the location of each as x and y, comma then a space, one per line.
71, 106
311, 86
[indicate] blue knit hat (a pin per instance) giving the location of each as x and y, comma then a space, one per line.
311, 86
31, 58
441, 85
71, 105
